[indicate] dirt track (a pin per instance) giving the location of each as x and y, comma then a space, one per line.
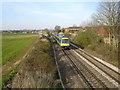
37, 71
22, 36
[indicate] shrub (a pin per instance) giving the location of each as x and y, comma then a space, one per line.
91, 40
67, 35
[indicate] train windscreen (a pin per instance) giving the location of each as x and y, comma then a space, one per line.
64, 40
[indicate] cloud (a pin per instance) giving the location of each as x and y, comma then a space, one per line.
32, 14
32, 9
54, 14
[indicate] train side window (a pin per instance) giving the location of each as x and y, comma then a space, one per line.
60, 40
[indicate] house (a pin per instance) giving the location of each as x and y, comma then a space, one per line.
107, 37
72, 29
102, 32
61, 33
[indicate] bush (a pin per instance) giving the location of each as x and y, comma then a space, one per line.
67, 35
91, 40
86, 38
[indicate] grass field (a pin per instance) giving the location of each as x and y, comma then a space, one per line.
14, 44
0, 59
39, 69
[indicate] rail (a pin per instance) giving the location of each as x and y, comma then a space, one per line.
85, 74
108, 76
55, 58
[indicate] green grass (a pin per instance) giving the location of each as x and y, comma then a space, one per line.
12, 47
11, 34
0, 59
8, 77
0, 48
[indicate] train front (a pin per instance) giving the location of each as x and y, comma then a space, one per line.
65, 43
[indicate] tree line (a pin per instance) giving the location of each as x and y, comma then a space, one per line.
108, 15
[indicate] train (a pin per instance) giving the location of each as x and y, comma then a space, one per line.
63, 41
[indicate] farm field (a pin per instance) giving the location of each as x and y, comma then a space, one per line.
15, 44
37, 66
0, 59
38, 70
14, 47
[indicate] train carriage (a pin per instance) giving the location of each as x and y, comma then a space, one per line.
63, 41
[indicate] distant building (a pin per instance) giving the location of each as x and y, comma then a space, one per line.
102, 32
107, 37
20, 31
61, 33
72, 29
40, 33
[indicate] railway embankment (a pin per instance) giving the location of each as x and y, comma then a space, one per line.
38, 70
95, 45
15, 48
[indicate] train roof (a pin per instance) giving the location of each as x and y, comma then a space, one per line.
60, 36
64, 37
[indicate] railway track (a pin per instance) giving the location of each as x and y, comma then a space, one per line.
108, 72
82, 70
55, 58
111, 67
89, 78
70, 79
75, 74
72, 73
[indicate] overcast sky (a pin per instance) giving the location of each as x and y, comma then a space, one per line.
39, 15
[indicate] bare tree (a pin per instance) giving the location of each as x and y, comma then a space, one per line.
108, 15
